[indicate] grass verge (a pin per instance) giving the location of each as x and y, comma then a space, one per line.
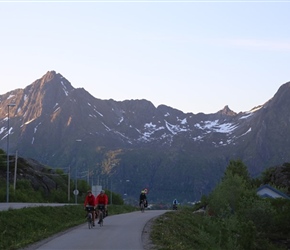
21, 227
183, 230
176, 230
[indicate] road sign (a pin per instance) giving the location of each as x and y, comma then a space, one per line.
76, 192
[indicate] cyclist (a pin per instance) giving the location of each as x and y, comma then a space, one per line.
143, 198
174, 204
90, 201
102, 201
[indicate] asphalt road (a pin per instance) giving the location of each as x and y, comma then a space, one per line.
119, 232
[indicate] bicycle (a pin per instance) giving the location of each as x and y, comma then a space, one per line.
142, 206
101, 214
89, 216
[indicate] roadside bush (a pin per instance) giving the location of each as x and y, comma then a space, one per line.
281, 226
24, 193
225, 198
260, 212
57, 196
116, 198
240, 219
226, 234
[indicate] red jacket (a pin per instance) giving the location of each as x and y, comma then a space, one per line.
102, 199
90, 200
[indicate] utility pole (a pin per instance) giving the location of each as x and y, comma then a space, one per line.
76, 192
15, 170
88, 177
68, 185
111, 194
7, 153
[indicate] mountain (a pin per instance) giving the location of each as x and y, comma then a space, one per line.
132, 144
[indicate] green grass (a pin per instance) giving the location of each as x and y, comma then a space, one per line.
176, 230
183, 230
22, 227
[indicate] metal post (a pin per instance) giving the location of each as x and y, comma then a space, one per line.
7, 153
68, 186
127, 188
76, 187
111, 195
8, 132
76, 182
88, 176
15, 170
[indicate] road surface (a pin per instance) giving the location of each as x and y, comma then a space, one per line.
120, 232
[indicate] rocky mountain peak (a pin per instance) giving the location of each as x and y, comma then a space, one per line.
227, 111
49, 75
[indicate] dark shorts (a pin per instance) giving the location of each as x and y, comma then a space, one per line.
101, 207
90, 208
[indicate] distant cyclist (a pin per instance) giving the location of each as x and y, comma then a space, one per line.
102, 200
143, 197
90, 201
174, 204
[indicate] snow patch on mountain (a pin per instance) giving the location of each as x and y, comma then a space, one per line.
150, 130
29, 121
121, 120
107, 128
174, 129
10, 96
98, 112
246, 116
56, 109
64, 88
36, 127
182, 121
249, 130
215, 126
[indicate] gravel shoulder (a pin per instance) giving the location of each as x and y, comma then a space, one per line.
147, 242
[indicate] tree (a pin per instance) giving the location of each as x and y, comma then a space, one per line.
237, 167
226, 197
235, 185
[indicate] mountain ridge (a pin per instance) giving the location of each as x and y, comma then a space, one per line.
133, 138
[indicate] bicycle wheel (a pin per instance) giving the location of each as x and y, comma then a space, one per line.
101, 218
90, 220
142, 207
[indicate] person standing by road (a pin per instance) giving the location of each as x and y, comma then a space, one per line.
102, 200
90, 201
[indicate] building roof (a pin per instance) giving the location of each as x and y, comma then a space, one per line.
276, 191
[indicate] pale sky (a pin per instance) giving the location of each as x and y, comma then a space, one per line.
195, 56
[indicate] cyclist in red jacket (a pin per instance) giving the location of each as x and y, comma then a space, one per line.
102, 200
90, 201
